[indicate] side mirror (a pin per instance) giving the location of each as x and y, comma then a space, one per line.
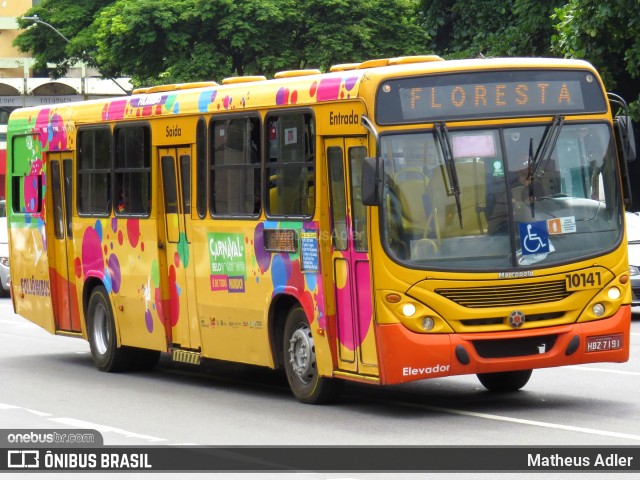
372, 181
626, 137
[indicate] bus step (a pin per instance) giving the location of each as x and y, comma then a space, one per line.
186, 356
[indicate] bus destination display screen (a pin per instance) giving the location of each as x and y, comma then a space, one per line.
495, 94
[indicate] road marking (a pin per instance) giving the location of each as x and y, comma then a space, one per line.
534, 423
104, 428
604, 370
39, 413
72, 422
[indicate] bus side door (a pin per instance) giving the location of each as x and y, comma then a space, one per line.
183, 330
64, 294
356, 345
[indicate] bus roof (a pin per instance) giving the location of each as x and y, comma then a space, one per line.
294, 88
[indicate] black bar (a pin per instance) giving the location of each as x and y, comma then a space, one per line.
323, 459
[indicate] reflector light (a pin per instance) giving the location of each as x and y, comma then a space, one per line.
598, 309
427, 323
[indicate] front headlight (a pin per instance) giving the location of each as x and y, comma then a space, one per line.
4, 261
633, 270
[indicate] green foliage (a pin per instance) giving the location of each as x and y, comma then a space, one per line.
73, 19
164, 41
606, 34
470, 28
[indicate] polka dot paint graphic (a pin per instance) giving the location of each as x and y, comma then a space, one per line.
114, 110
92, 260
133, 231
262, 256
333, 88
113, 265
206, 98
183, 251
30, 192
102, 254
284, 273
284, 97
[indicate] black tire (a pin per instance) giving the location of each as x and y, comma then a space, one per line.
299, 358
103, 339
505, 381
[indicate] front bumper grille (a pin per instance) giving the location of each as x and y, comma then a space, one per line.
506, 295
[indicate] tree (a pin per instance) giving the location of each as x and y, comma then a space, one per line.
469, 28
72, 18
344, 31
606, 34
205, 39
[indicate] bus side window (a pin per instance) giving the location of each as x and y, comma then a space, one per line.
94, 171
235, 167
133, 170
291, 165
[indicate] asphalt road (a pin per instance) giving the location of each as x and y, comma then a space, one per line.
49, 382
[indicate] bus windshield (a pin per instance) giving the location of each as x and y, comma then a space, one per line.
501, 198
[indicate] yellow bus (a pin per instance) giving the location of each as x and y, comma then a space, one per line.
388, 221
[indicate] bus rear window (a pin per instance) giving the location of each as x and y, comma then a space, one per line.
26, 176
27, 194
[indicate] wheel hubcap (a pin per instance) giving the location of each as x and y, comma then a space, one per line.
100, 330
302, 356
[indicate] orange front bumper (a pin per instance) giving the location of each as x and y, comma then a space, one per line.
406, 356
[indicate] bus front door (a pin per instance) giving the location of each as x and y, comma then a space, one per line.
179, 288
60, 238
355, 334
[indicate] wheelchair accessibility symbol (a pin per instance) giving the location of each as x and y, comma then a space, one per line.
534, 238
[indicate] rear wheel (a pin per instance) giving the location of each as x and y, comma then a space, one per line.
505, 381
300, 362
103, 339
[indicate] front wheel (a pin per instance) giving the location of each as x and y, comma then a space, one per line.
103, 339
300, 362
505, 381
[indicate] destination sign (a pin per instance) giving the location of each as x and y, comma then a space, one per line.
495, 94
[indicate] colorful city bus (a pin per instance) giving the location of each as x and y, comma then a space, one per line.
387, 221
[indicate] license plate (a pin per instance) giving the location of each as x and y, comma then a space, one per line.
604, 342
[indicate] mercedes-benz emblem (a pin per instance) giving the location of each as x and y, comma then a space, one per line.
516, 319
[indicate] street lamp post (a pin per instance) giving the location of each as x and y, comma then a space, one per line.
36, 19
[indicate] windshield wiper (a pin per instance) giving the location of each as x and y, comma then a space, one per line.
442, 136
543, 155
